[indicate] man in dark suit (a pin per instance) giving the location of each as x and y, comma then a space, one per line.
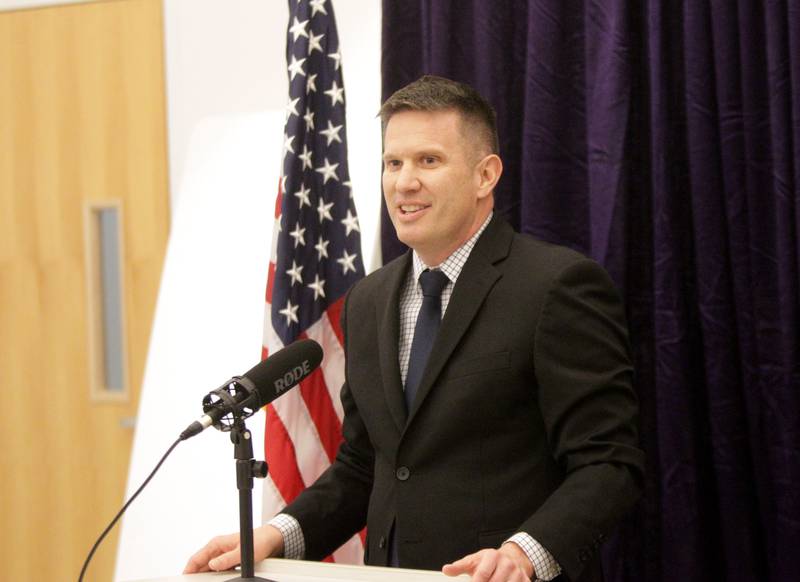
504, 445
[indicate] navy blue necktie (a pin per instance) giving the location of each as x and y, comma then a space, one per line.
428, 320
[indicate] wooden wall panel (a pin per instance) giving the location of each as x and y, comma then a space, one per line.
82, 117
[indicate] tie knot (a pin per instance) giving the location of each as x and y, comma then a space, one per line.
432, 282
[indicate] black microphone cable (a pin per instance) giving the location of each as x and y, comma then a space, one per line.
124, 507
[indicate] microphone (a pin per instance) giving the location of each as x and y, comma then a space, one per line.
243, 396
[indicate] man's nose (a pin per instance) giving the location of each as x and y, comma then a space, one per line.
407, 179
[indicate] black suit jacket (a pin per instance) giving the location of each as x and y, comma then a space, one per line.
525, 418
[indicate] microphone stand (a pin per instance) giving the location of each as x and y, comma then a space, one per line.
246, 469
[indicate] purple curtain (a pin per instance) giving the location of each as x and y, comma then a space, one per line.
662, 139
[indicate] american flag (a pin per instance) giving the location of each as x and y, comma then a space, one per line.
316, 257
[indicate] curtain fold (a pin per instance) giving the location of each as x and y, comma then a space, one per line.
663, 140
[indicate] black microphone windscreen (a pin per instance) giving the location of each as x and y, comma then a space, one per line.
285, 368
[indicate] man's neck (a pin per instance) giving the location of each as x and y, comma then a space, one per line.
436, 258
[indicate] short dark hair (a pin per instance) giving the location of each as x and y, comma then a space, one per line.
432, 93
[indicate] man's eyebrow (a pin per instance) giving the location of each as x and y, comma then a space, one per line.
421, 151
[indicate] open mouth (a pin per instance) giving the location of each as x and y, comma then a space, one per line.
408, 209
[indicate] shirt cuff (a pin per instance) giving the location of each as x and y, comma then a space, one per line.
294, 544
545, 566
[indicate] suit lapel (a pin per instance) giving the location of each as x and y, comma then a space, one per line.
473, 285
388, 314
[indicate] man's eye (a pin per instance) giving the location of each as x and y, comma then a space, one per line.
392, 164
428, 160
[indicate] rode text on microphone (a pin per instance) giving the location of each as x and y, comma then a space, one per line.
292, 377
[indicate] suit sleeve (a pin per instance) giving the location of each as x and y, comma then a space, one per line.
589, 407
334, 508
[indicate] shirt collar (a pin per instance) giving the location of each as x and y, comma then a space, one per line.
453, 264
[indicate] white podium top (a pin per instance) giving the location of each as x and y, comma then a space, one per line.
281, 570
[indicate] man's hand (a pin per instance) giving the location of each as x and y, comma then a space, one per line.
508, 564
223, 552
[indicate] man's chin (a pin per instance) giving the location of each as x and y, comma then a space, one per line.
408, 238
405, 234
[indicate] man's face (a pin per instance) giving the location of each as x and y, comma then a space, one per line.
432, 181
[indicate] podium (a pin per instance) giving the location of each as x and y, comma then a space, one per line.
301, 571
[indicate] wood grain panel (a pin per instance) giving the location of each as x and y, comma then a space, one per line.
82, 117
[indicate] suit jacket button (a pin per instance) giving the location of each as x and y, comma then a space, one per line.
584, 555
402, 473
382, 542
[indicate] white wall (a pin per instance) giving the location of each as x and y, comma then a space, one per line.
227, 57
226, 82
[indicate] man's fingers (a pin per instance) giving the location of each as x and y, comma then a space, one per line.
463, 566
486, 566
483, 572
227, 560
199, 562
195, 565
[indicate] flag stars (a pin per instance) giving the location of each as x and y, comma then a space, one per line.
299, 144
318, 286
337, 59
295, 273
347, 262
314, 43
290, 312
291, 108
318, 6
309, 118
322, 248
332, 133
287, 143
306, 157
298, 29
328, 171
302, 194
336, 93
296, 68
311, 83
324, 211
350, 222
298, 234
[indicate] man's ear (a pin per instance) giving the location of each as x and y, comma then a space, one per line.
489, 170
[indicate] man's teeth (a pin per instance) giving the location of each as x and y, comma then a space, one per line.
411, 207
